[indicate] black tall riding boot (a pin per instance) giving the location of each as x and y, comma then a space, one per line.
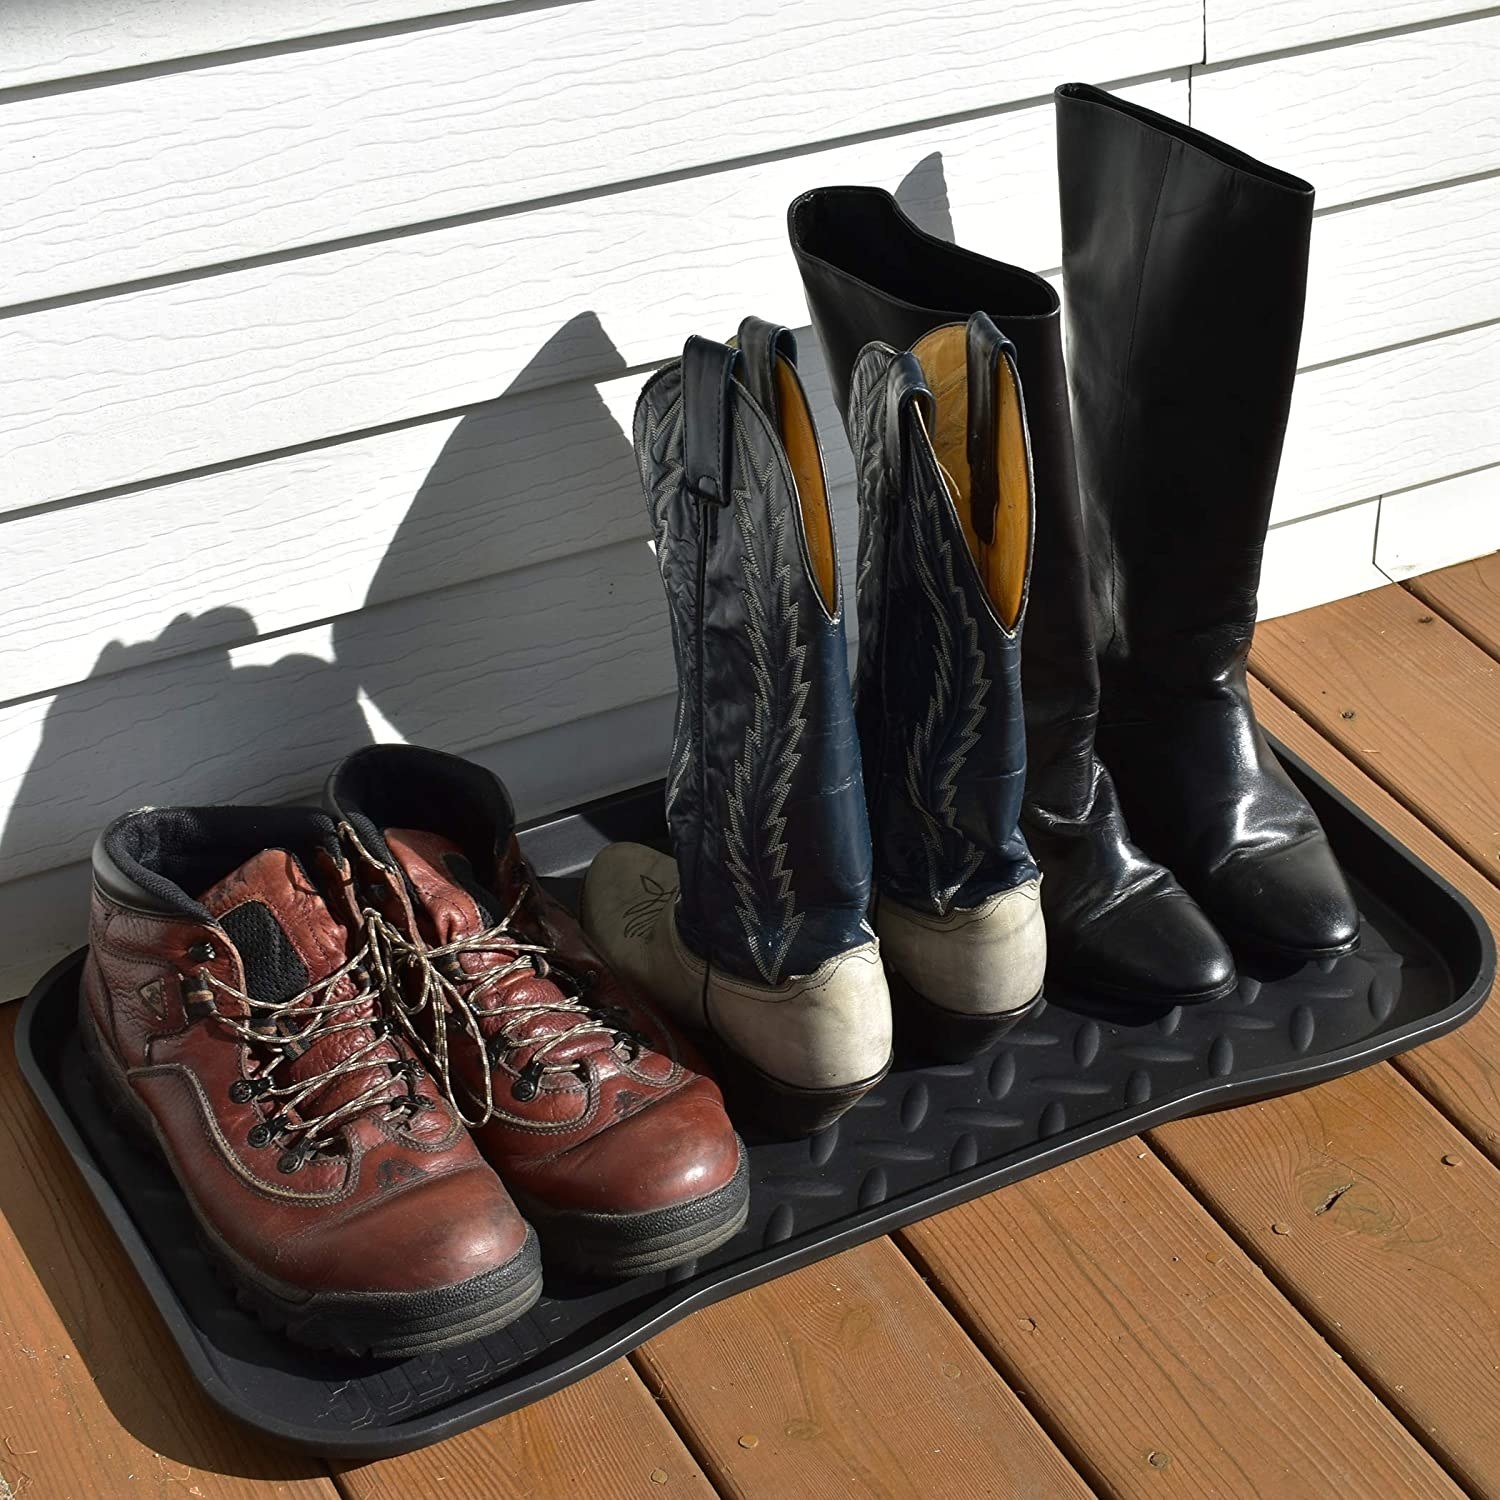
1185, 269
1116, 922
755, 927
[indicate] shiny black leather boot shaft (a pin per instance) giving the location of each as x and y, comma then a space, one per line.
1117, 923
1185, 272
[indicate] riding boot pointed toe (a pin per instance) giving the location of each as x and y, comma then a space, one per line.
1290, 901
1157, 948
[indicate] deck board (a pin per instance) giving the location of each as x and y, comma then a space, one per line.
1460, 1072
1407, 697
1382, 1223
602, 1439
95, 1400
1153, 1349
1467, 595
849, 1377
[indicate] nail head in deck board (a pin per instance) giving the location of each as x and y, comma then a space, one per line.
1143, 1346
601, 1439
1467, 595
1397, 1263
92, 1389
1461, 1071
854, 1379
1428, 699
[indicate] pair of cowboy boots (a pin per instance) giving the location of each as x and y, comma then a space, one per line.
385, 1066
826, 860
1184, 268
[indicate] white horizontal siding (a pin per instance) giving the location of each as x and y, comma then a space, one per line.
1406, 268
473, 665
111, 392
1375, 117
1438, 524
1321, 558
275, 545
1241, 28
45, 40
383, 487
1390, 420
216, 164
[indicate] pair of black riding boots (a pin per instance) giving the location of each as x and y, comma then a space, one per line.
1099, 803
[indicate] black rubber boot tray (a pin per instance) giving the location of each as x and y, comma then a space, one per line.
1071, 1078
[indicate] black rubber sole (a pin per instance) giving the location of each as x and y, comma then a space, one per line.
609, 1247
391, 1325
781, 1109
380, 1325
1257, 950
1146, 1000
925, 1029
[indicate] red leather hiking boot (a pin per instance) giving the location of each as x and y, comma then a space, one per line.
590, 1107
231, 1009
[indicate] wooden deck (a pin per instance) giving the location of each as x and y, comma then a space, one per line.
1296, 1298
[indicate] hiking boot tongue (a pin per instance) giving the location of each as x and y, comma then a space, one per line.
286, 936
288, 939
451, 904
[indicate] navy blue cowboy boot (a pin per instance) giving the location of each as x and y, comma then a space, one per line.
946, 521
755, 926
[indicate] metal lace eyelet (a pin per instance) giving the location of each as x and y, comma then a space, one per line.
290, 1161
260, 1135
525, 1087
203, 952
242, 1091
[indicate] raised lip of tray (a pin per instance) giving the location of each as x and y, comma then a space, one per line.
509, 1394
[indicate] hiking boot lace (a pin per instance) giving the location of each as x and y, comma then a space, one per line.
454, 996
273, 1026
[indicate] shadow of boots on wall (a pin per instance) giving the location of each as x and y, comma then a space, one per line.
544, 473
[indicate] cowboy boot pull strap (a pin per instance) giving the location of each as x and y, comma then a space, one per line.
761, 343
707, 369
986, 346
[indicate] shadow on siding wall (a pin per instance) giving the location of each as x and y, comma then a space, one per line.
209, 726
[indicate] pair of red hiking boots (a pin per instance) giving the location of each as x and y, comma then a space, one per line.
385, 1066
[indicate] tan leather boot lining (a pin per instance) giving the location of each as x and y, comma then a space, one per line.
800, 438
1001, 563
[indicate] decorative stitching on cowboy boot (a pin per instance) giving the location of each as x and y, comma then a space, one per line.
949, 730
755, 840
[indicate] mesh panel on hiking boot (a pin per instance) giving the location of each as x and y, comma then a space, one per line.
273, 970
287, 939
